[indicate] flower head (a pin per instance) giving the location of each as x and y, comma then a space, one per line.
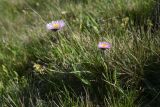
104, 45
55, 25
39, 68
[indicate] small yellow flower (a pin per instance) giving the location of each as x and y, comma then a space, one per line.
125, 21
64, 12
149, 23
39, 68
123, 25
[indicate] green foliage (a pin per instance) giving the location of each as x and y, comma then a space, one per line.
66, 69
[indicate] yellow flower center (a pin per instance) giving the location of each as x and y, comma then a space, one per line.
56, 26
104, 45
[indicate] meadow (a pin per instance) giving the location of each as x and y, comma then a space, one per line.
65, 68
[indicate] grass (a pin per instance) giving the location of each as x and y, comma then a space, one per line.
66, 69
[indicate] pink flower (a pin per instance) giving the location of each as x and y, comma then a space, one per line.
104, 45
55, 25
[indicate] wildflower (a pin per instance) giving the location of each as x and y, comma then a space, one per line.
104, 45
39, 68
64, 12
55, 25
149, 23
125, 22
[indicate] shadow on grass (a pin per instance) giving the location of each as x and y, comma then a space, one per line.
150, 95
50, 87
